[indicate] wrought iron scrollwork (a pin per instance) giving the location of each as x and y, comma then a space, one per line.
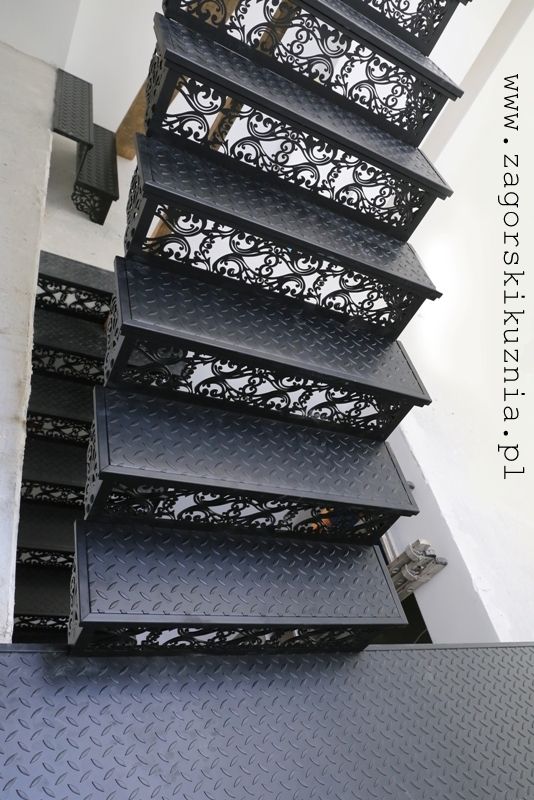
206, 509
91, 202
56, 294
30, 557
182, 370
68, 365
236, 254
51, 493
257, 139
133, 209
41, 624
44, 426
419, 17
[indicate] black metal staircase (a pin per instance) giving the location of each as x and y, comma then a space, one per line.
237, 480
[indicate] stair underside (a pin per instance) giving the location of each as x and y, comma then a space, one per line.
53, 473
180, 463
177, 333
193, 589
430, 722
73, 287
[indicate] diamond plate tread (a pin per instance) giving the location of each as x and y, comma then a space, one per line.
42, 591
54, 462
61, 398
135, 573
76, 273
175, 304
168, 440
178, 175
204, 57
52, 529
73, 108
99, 168
341, 13
397, 723
63, 332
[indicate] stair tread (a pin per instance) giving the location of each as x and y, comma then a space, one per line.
61, 398
179, 306
356, 22
294, 727
152, 438
69, 333
209, 59
42, 591
53, 530
74, 272
73, 108
99, 168
175, 174
54, 462
137, 573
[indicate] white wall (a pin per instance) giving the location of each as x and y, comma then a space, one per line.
25, 141
41, 28
457, 346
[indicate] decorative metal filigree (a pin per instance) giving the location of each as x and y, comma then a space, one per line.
53, 293
51, 493
44, 558
44, 426
207, 509
421, 18
257, 139
68, 365
314, 48
133, 209
222, 640
182, 370
239, 255
36, 623
154, 83
91, 202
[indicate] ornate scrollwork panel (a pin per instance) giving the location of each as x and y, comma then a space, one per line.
51, 493
421, 18
236, 254
56, 294
206, 509
257, 139
183, 370
68, 365
30, 557
41, 624
91, 202
44, 426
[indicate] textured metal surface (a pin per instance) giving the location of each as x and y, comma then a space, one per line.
54, 462
141, 574
185, 178
154, 439
178, 333
190, 51
62, 332
42, 591
73, 108
52, 529
97, 183
419, 723
60, 398
72, 287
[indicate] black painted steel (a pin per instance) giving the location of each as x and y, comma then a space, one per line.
72, 287
73, 110
141, 588
176, 333
97, 183
68, 347
59, 410
261, 120
41, 603
400, 722
253, 230
180, 463
420, 23
50, 529
330, 46
53, 473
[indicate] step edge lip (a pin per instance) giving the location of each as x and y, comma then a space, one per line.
428, 291
439, 185
135, 326
167, 621
115, 470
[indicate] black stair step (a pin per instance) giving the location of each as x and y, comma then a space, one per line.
419, 23
73, 287
251, 229
390, 723
42, 601
269, 122
73, 109
53, 473
180, 463
97, 183
174, 332
47, 529
139, 588
68, 347
60, 410
333, 47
